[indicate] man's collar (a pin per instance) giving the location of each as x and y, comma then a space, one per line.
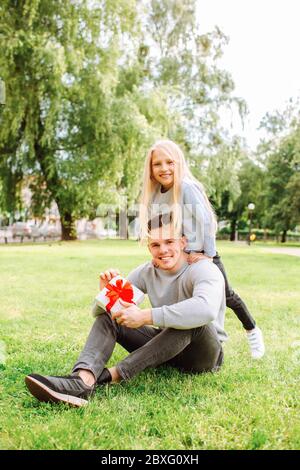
171, 273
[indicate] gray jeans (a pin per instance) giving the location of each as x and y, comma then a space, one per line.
195, 350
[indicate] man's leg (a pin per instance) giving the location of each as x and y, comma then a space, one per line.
149, 347
101, 341
73, 389
198, 349
203, 354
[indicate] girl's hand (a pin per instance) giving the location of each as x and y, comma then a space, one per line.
194, 257
107, 276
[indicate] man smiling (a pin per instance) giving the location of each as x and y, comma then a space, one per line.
187, 307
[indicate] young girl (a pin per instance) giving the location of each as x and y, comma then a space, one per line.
168, 183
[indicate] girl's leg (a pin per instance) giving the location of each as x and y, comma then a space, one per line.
234, 301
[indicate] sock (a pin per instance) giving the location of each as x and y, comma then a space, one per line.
105, 377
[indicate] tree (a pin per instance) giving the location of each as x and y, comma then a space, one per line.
90, 85
251, 177
283, 184
278, 125
280, 152
60, 63
184, 63
292, 199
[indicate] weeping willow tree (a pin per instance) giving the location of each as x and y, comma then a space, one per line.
184, 62
59, 129
90, 84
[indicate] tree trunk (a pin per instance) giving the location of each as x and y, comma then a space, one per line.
232, 230
50, 174
68, 230
122, 224
283, 236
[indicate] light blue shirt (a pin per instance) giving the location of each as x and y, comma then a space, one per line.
197, 221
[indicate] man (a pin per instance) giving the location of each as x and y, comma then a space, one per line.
188, 307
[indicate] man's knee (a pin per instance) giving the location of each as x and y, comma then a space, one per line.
104, 321
211, 364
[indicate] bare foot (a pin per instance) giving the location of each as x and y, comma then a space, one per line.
87, 377
115, 376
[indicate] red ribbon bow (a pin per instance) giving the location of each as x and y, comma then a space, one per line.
119, 291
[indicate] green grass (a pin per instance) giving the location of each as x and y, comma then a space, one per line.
273, 244
45, 297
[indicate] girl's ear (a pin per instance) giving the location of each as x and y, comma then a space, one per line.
183, 241
151, 172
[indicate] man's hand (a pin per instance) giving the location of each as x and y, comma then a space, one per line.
194, 257
132, 316
107, 276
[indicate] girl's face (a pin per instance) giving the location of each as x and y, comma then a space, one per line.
162, 168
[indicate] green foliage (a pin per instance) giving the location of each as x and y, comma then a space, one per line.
251, 181
62, 129
185, 63
278, 125
91, 85
283, 185
223, 167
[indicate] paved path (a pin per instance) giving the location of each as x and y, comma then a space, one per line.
283, 251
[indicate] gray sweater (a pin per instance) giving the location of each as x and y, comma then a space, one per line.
197, 223
189, 298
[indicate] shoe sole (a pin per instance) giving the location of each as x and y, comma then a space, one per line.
44, 393
259, 356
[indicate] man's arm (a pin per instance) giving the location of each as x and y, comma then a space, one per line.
133, 316
202, 308
137, 279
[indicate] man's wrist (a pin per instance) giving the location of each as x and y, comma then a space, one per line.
147, 314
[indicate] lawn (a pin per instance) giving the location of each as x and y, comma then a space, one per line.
45, 296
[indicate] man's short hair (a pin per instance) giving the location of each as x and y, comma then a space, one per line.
160, 220
164, 219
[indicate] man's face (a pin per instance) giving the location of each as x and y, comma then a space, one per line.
166, 249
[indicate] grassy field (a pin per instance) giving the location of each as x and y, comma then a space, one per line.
45, 296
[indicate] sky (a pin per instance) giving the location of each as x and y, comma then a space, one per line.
263, 54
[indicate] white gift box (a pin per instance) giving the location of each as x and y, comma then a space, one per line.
118, 288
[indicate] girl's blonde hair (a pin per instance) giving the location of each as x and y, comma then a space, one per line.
150, 185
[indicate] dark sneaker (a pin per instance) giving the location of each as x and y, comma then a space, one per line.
69, 389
